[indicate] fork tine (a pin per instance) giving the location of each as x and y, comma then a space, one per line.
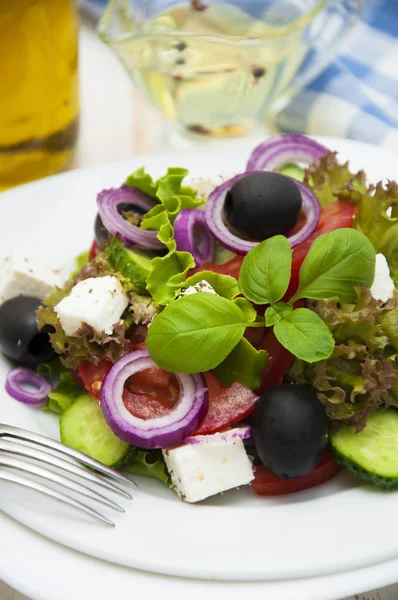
16, 446
63, 498
15, 463
35, 438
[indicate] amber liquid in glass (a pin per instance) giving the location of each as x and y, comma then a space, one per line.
201, 79
39, 103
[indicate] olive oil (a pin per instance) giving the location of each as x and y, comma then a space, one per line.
213, 68
38, 88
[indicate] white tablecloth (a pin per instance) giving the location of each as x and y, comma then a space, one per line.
109, 133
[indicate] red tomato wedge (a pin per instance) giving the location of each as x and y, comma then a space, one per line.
93, 250
265, 483
93, 375
231, 267
227, 406
279, 360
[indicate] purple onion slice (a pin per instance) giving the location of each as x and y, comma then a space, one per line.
214, 214
279, 151
192, 235
16, 381
159, 432
108, 202
229, 435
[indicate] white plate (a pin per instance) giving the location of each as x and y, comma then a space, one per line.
235, 537
47, 568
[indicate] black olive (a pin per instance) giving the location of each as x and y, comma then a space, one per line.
264, 204
290, 429
102, 234
20, 338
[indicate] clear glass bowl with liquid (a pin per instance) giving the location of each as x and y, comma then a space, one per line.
218, 68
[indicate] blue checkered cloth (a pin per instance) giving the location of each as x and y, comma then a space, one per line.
357, 95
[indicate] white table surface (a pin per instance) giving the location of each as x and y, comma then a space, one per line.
110, 131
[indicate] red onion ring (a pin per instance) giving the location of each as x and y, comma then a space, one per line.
159, 432
287, 148
20, 375
230, 435
188, 222
108, 201
214, 212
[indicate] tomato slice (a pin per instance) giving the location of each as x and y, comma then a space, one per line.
151, 393
265, 483
93, 250
148, 394
231, 267
227, 406
279, 360
93, 375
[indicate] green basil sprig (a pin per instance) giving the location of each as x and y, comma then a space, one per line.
336, 263
203, 331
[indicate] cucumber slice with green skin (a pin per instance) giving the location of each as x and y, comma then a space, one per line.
371, 454
293, 171
84, 428
132, 264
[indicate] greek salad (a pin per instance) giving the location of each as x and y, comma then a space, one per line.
223, 332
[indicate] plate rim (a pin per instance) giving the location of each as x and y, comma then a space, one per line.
186, 569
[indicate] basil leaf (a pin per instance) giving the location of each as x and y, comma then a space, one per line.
265, 273
224, 285
247, 308
195, 333
244, 364
336, 263
276, 313
305, 335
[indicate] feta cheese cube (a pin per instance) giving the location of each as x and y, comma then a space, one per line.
383, 286
202, 470
201, 286
204, 186
97, 301
20, 275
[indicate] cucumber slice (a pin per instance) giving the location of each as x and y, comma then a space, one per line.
371, 454
293, 171
84, 428
132, 264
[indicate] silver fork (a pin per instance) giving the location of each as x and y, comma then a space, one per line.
18, 445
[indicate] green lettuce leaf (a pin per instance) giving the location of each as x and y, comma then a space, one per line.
169, 191
223, 285
167, 273
66, 388
378, 220
362, 372
327, 177
64, 394
149, 463
80, 262
142, 181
